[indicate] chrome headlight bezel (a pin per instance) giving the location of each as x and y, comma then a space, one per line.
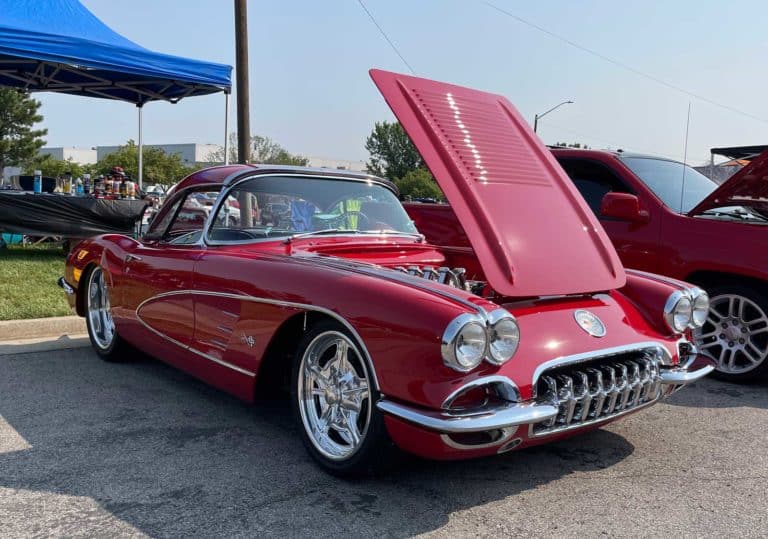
678, 311
699, 308
492, 324
501, 322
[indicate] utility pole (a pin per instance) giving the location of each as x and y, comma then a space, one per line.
243, 103
241, 70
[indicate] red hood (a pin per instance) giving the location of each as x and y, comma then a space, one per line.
531, 230
748, 188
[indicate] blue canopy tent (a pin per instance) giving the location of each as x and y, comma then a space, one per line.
60, 46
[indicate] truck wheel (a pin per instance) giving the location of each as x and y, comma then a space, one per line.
736, 333
333, 397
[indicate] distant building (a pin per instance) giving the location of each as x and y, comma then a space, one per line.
81, 156
338, 164
190, 153
8, 172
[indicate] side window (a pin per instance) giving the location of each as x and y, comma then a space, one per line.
184, 222
593, 180
157, 228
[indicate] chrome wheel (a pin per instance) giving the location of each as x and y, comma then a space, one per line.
735, 334
333, 395
99, 311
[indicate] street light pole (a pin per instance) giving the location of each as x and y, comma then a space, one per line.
536, 117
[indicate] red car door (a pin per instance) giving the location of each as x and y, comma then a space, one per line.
157, 276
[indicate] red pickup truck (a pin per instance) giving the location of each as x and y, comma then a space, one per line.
667, 218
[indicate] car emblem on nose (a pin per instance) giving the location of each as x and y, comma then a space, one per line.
590, 323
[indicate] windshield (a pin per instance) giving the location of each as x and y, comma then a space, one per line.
665, 178
283, 206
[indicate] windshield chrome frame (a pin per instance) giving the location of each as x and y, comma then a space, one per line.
227, 188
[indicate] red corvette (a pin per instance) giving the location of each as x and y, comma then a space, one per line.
319, 278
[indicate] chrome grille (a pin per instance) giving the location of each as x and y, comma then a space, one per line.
597, 390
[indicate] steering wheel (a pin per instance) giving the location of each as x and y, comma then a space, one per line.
345, 218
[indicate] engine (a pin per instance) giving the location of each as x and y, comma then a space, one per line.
455, 277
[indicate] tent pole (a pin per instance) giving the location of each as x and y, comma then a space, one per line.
226, 128
141, 151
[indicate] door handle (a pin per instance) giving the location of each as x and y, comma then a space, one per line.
130, 257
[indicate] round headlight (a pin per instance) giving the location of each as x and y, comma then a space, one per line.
678, 311
470, 345
700, 310
464, 342
505, 336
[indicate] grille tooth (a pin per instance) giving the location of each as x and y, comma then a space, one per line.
623, 385
582, 396
566, 399
610, 390
597, 392
603, 388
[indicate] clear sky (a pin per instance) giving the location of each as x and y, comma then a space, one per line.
310, 89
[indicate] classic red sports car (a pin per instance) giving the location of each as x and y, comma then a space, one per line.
323, 281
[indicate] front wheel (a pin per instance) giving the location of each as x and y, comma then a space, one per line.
735, 334
333, 397
98, 318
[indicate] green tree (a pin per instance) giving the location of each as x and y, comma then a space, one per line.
419, 183
56, 168
18, 141
263, 150
159, 167
393, 155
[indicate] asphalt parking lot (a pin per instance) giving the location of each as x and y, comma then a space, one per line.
94, 449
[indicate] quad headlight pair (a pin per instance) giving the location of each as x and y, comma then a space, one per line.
686, 309
469, 339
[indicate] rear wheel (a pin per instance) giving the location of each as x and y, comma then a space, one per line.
333, 397
735, 334
98, 318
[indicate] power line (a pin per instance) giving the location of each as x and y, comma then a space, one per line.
621, 64
383, 33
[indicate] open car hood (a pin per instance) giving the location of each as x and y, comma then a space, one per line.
748, 188
532, 232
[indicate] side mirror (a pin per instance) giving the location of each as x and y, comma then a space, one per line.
624, 207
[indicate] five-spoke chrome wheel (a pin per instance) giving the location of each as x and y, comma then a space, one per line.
100, 324
735, 334
333, 395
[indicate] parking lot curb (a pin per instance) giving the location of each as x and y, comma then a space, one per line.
36, 328
44, 344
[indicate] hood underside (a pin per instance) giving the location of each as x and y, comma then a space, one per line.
531, 230
748, 188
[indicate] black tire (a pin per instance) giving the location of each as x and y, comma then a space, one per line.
112, 349
374, 451
724, 337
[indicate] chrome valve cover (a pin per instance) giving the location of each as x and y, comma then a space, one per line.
601, 389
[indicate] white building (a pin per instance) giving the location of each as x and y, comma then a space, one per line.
190, 154
338, 164
81, 156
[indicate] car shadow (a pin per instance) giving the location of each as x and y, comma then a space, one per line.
713, 393
167, 455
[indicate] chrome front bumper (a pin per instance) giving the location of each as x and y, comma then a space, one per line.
66, 286
483, 419
513, 414
693, 370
